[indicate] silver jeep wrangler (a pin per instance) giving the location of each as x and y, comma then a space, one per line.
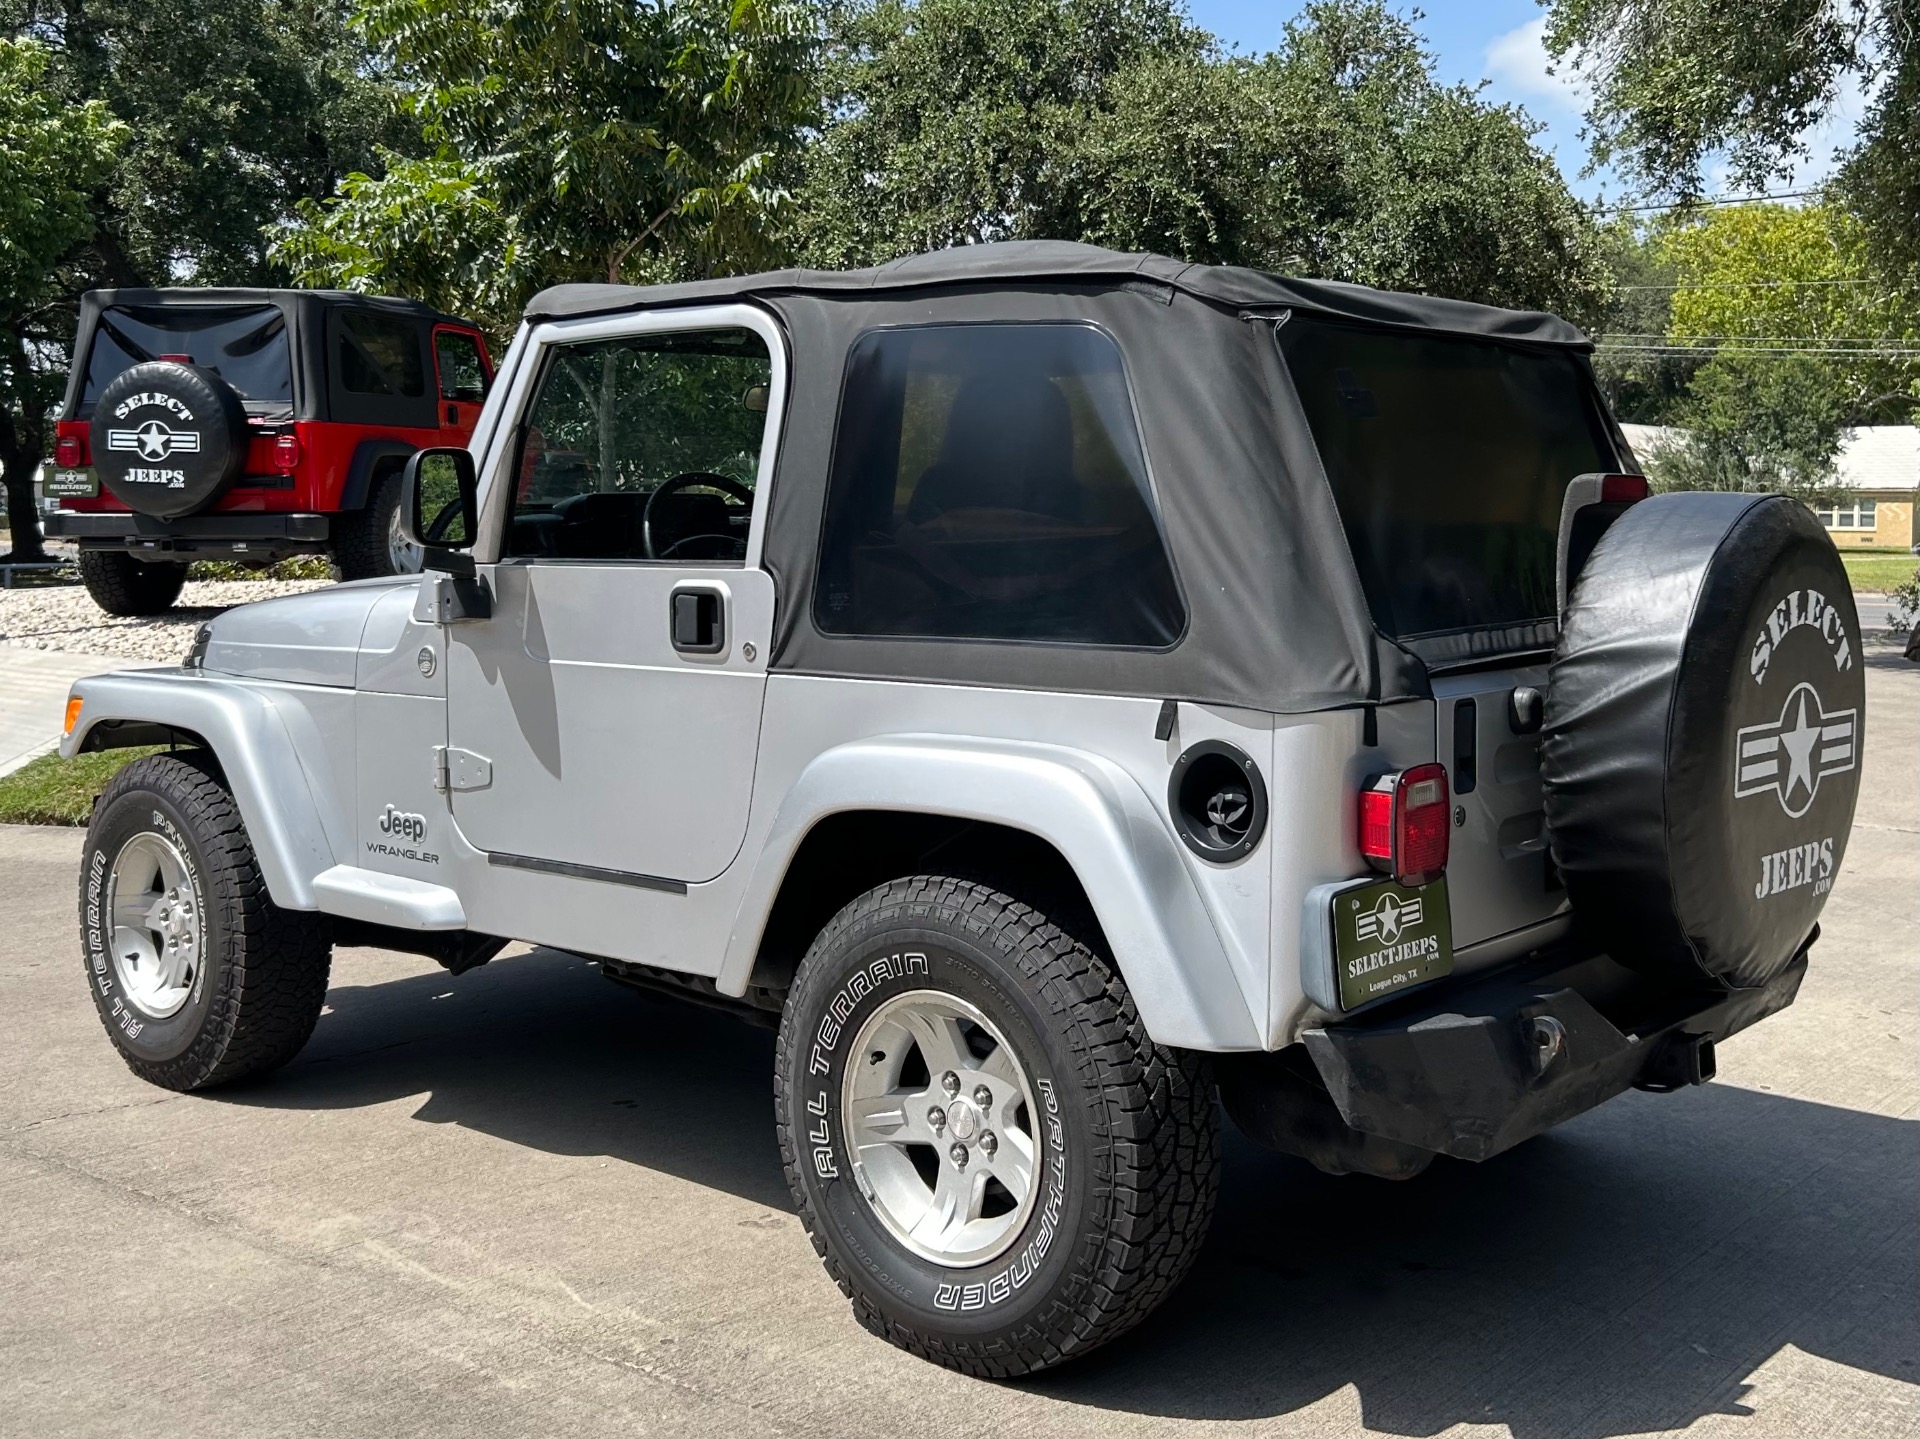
1067, 693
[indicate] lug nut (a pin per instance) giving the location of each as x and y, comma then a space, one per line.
988, 1143
937, 1117
950, 1082
958, 1154
983, 1097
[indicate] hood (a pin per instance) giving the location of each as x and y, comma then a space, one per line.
310, 639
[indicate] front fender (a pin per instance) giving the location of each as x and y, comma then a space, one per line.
1153, 914
249, 729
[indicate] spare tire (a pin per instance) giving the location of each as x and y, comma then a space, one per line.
1702, 738
168, 438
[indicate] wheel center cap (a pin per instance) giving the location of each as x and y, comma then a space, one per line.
963, 1122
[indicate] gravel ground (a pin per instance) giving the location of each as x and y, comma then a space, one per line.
66, 618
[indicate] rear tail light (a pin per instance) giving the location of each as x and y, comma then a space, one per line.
1624, 489
1406, 822
286, 453
178, 359
69, 453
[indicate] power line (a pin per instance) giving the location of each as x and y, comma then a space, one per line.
1769, 351
1748, 285
1666, 338
1712, 200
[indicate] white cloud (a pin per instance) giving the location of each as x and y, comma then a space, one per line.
1517, 63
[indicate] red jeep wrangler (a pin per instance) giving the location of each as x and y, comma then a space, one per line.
250, 425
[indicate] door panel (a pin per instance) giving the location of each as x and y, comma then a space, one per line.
587, 744
609, 748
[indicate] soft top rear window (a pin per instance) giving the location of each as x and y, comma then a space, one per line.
245, 344
1449, 458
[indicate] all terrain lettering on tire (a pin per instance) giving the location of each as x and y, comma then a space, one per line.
863, 982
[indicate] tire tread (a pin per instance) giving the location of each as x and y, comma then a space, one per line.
273, 981
1156, 1162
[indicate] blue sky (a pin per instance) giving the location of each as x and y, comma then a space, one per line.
1498, 41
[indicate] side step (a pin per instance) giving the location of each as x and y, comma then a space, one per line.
388, 899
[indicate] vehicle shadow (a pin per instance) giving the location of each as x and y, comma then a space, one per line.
1627, 1273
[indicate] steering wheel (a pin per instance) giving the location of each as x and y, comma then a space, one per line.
692, 480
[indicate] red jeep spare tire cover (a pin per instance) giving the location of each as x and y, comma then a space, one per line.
1702, 739
168, 438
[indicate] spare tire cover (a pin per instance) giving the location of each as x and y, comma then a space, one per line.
1702, 738
167, 438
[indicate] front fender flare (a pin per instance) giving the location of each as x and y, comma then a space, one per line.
1156, 921
249, 729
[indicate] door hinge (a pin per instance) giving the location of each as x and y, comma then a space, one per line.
457, 769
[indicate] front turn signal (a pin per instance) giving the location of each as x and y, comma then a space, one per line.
74, 705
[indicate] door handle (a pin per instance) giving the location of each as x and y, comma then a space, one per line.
699, 620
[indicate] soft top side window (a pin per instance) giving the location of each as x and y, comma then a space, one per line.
463, 376
989, 483
380, 355
643, 448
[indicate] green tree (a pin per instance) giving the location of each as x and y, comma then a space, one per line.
1117, 122
1795, 340
52, 156
1679, 82
1643, 378
1770, 277
611, 142
425, 228
235, 110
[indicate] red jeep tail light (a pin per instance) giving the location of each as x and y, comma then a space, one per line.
1624, 489
1406, 823
178, 359
286, 453
69, 453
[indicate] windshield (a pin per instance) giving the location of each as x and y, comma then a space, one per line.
1449, 459
246, 345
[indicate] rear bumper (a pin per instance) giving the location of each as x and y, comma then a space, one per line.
225, 533
1479, 1068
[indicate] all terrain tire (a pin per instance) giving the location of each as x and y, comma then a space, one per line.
941, 1039
122, 585
198, 976
367, 544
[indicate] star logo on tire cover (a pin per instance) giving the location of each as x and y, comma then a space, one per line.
1789, 757
1387, 918
153, 441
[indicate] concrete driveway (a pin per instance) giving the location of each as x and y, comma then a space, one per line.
527, 1202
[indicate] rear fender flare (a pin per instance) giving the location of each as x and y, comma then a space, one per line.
252, 732
368, 457
1097, 816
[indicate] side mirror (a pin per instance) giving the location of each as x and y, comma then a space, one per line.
440, 507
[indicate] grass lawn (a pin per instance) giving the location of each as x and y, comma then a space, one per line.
52, 790
1881, 571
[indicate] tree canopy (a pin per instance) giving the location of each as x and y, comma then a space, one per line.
1116, 121
1786, 336
1679, 83
52, 156
606, 142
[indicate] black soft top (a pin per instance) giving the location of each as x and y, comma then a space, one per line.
1277, 619
305, 313
190, 297
1039, 261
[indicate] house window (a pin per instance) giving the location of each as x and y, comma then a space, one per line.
1856, 515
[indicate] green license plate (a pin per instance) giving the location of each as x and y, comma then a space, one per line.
1388, 937
59, 484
